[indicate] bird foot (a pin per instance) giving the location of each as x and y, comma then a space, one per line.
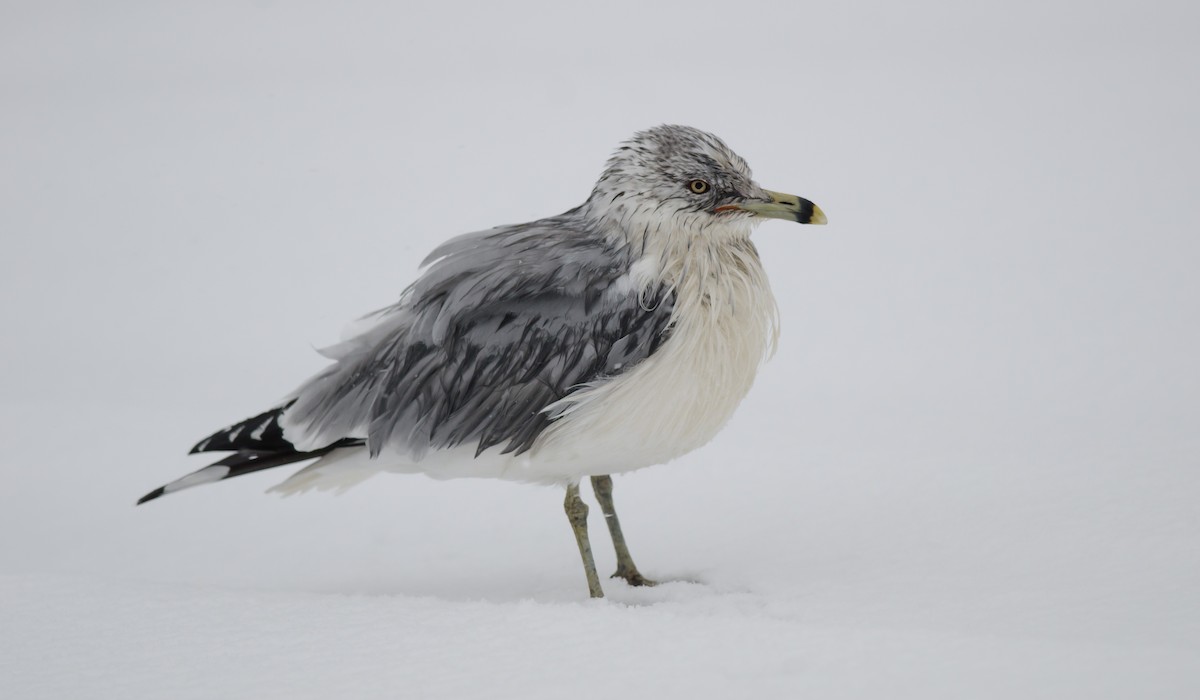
634, 578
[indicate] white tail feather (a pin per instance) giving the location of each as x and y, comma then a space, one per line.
337, 471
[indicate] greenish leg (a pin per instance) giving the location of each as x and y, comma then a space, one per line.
626, 569
577, 512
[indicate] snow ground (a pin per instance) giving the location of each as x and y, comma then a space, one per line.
971, 470
156, 640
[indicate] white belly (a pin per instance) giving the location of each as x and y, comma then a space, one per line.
670, 404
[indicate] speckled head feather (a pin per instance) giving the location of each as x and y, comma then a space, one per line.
650, 176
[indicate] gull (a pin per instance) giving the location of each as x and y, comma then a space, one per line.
618, 335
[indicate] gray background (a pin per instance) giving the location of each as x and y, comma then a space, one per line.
971, 467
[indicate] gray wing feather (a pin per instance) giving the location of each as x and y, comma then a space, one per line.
501, 324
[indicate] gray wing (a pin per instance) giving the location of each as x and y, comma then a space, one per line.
502, 324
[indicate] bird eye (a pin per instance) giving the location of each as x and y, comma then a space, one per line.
698, 186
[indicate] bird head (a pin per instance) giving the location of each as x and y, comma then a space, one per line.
681, 178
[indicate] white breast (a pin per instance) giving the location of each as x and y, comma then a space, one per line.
676, 400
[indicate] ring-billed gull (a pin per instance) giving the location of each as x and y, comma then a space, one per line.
615, 336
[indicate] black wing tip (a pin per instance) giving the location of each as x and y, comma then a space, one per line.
152, 495
261, 432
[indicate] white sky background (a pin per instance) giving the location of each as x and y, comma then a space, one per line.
982, 422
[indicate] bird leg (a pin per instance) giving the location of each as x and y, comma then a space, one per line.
626, 569
577, 512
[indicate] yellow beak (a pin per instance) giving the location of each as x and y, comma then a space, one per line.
785, 206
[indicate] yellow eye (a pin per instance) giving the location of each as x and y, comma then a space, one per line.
698, 186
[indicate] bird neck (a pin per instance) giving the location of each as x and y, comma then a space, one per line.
718, 281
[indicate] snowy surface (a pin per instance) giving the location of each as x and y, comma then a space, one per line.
970, 471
